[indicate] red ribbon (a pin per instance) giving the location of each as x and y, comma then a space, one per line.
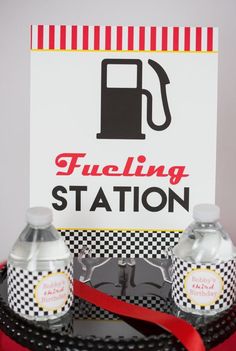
181, 329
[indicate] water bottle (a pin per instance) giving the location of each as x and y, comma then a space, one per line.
203, 265
40, 270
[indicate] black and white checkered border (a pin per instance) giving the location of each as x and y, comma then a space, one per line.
226, 270
21, 287
84, 310
121, 243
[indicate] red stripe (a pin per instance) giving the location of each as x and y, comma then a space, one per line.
186, 38
7, 344
3, 264
198, 39
209, 39
176, 39
183, 330
85, 37
51, 37
119, 38
164, 38
130, 38
108, 38
62, 37
141, 38
227, 345
74, 37
40, 37
96, 38
153, 39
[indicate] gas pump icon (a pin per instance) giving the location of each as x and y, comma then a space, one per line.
121, 107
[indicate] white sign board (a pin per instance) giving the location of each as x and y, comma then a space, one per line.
123, 125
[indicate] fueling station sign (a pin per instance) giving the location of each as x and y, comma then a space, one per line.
123, 132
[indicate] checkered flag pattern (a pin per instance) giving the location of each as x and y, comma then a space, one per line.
227, 272
84, 310
120, 243
21, 290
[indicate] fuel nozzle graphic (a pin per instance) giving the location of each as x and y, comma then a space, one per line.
121, 107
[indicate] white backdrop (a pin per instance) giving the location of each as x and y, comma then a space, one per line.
15, 18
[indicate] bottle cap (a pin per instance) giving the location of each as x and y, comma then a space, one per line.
39, 216
206, 213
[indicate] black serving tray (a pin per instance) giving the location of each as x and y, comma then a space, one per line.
86, 327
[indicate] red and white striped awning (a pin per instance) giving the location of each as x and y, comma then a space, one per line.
124, 38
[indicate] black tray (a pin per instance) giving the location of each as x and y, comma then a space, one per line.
86, 327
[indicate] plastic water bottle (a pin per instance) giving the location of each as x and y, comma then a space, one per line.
203, 265
40, 270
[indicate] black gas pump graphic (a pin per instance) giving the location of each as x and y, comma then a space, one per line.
121, 107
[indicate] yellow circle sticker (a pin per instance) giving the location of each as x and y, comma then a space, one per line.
203, 286
52, 291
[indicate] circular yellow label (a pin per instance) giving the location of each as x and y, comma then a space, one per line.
203, 286
52, 291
